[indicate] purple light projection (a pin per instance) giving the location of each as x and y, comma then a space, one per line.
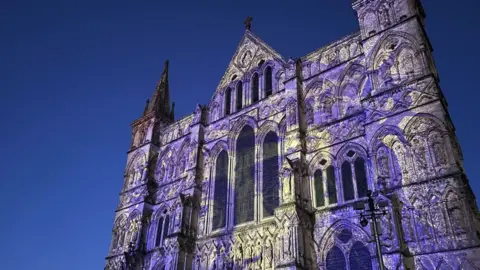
266, 175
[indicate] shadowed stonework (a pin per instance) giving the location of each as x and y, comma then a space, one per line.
266, 175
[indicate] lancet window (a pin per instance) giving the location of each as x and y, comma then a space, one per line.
239, 96
268, 82
270, 170
255, 84
228, 100
220, 191
162, 230
244, 189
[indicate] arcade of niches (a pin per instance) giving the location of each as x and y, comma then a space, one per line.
266, 175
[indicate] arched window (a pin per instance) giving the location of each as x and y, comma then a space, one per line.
318, 183
159, 235
361, 177
360, 257
239, 96
255, 88
268, 82
220, 191
331, 185
228, 100
335, 259
270, 174
244, 176
165, 227
348, 193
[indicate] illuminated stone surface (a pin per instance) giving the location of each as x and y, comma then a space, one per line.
365, 107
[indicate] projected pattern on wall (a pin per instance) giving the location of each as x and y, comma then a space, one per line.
265, 175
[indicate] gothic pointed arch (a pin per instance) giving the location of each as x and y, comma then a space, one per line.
218, 147
265, 128
438, 217
323, 184
391, 156
135, 170
119, 231
255, 86
133, 227
388, 38
321, 158
244, 188
352, 161
228, 101
182, 157
395, 59
345, 237
270, 173
456, 212
314, 87
220, 191
239, 96
280, 78
268, 80
238, 124
350, 88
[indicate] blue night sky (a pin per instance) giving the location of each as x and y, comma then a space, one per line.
75, 74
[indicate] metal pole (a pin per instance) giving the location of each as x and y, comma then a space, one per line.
371, 206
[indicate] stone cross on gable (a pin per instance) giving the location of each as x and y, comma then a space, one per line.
248, 23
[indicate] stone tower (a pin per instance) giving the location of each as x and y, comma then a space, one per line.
267, 174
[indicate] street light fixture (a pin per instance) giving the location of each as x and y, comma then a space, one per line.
373, 213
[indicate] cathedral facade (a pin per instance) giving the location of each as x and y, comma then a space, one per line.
268, 174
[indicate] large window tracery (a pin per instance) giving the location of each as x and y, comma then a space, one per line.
220, 191
270, 174
244, 196
354, 176
348, 253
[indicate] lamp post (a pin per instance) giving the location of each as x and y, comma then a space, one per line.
373, 213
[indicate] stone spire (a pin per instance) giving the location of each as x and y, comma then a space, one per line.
160, 101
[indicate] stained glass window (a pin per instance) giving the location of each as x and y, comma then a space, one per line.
239, 96
228, 100
268, 82
331, 185
335, 259
360, 258
271, 186
361, 177
348, 193
244, 177
318, 183
220, 191
255, 88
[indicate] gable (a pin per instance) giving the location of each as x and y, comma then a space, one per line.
250, 51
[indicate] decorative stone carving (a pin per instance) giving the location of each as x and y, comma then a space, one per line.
369, 91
